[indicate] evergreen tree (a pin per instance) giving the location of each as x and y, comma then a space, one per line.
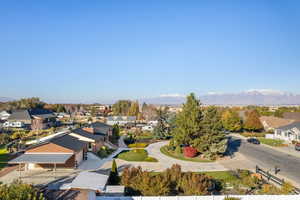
231, 121
114, 175
161, 130
188, 122
252, 122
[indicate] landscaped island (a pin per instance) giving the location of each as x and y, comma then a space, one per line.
140, 155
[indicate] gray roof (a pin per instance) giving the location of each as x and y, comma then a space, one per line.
290, 126
41, 158
86, 134
20, 115
41, 113
90, 181
64, 140
101, 127
121, 118
69, 142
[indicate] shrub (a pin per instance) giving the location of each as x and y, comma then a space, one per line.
189, 152
151, 159
104, 152
178, 150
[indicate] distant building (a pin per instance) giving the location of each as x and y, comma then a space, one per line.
35, 119
120, 120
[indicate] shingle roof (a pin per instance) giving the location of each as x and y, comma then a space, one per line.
292, 115
275, 122
290, 126
42, 113
20, 115
86, 134
41, 158
69, 142
101, 127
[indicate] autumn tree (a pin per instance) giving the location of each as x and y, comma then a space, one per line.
121, 107
252, 122
231, 121
134, 109
19, 191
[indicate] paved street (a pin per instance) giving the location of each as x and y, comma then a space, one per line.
268, 158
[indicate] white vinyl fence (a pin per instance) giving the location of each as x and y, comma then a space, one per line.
242, 197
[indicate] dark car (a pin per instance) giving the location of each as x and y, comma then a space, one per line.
297, 147
253, 141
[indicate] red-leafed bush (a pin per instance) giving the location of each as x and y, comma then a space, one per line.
189, 152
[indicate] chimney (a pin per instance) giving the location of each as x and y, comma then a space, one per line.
88, 129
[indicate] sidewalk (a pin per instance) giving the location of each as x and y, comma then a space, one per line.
288, 150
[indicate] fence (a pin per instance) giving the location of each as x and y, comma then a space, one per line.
273, 178
242, 197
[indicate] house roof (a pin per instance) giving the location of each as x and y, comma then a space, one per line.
20, 115
65, 141
90, 181
41, 113
41, 158
69, 142
290, 126
292, 115
275, 122
101, 127
121, 118
86, 134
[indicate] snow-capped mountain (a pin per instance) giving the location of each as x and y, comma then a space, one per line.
249, 97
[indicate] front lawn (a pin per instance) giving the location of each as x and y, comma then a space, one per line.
3, 156
165, 151
136, 155
271, 142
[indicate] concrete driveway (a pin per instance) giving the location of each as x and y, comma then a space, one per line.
165, 162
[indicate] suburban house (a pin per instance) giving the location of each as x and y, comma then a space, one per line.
270, 123
121, 120
292, 115
289, 132
35, 119
63, 151
95, 142
4, 115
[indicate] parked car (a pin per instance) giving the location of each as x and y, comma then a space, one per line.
297, 147
253, 141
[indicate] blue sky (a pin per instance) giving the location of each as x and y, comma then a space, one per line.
87, 51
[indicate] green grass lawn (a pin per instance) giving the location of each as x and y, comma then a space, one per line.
271, 142
3, 156
136, 155
165, 151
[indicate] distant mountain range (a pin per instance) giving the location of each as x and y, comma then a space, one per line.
251, 97
5, 99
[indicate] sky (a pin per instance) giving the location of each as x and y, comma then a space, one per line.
96, 50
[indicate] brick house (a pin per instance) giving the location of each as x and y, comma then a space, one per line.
64, 151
